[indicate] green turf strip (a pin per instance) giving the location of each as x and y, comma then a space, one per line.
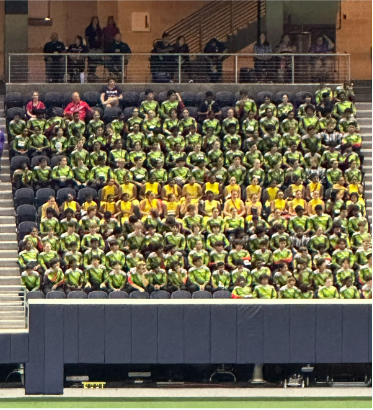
307, 402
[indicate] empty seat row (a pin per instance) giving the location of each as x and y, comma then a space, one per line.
160, 294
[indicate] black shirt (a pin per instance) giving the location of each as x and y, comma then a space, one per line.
77, 49
115, 92
93, 35
204, 107
54, 47
121, 48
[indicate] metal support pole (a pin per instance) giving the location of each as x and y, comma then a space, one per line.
65, 76
236, 68
292, 70
179, 68
122, 68
9, 68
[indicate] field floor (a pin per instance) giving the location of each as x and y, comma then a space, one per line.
192, 398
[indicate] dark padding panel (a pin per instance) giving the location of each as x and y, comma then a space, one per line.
223, 334
92, 334
249, 334
329, 334
34, 370
5, 356
369, 334
53, 350
19, 348
355, 334
197, 334
170, 334
118, 328
302, 333
144, 334
71, 334
276, 333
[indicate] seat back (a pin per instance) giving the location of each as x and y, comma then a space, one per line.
12, 112
260, 97
181, 294
193, 111
17, 162
162, 96
56, 294
77, 294
159, 294
42, 195
84, 192
35, 160
127, 112
202, 294
119, 294
224, 98
26, 213
56, 160
222, 294
66, 98
34, 295
92, 98
189, 99
62, 194
97, 294
130, 99
23, 196
139, 295
280, 94
111, 113
54, 99
24, 228
224, 111
14, 99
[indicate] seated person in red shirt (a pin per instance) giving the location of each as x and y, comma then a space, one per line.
77, 105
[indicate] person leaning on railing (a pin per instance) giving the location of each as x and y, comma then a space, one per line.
323, 65
76, 63
263, 61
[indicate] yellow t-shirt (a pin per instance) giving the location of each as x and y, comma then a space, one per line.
108, 206
209, 206
171, 206
171, 190
295, 202
272, 193
280, 204
71, 205
107, 190
192, 189
152, 187
315, 202
230, 188
149, 205
87, 204
212, 187
128, 189
253, 190
295, 188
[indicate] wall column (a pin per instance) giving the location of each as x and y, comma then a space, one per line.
274, 22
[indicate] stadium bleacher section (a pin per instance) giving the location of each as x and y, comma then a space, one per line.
163, 198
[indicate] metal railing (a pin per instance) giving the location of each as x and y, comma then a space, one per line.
215, 20
141, 68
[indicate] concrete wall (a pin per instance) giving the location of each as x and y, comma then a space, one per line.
355, 37
70, 18
310, 12
2, 39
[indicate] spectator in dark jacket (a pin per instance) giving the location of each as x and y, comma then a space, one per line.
109, 32
117, 47
93, 33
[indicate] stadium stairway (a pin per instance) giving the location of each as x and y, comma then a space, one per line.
364, 118
12, 314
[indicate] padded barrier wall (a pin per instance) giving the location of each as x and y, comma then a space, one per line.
169, 332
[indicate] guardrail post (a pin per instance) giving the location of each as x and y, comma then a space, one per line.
236, 68
122, 68
179, 68
65, 76
9, 68
292, 70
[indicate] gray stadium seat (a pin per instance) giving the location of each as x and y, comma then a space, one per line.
12, 112
189, 99
118, 294
159, 294
34, 295
139, 295
181, 294
83, 193
53, 99
35, 160
280, 94
193, 111
127, 112
24, 229
97, 294
260, 97
23, 196
26, 213
224, 111
130, 99
62, 194
77, 294
202, 294
42, 195
111, 113
222, 294
14, 99
17, 162
56, 294
56, 160
224, 98
92, 98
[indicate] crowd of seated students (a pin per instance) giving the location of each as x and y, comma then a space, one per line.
267, 202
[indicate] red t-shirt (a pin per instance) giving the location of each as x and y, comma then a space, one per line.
30, 106
81, 107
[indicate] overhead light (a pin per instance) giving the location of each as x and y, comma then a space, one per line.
47, 18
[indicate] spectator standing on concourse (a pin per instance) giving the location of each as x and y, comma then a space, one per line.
263, 61
93, 33
109, 32
54, 70
76, 63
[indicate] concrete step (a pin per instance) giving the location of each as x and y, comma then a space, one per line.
12, 270
8, 262
6, 219
9, 307
10, 237
8, 228
12, 324
9, 245
12, 315
8, 253
6, 193
7, 211
5, 178
10, 280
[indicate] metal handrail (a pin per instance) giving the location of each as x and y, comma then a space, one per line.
141, 62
